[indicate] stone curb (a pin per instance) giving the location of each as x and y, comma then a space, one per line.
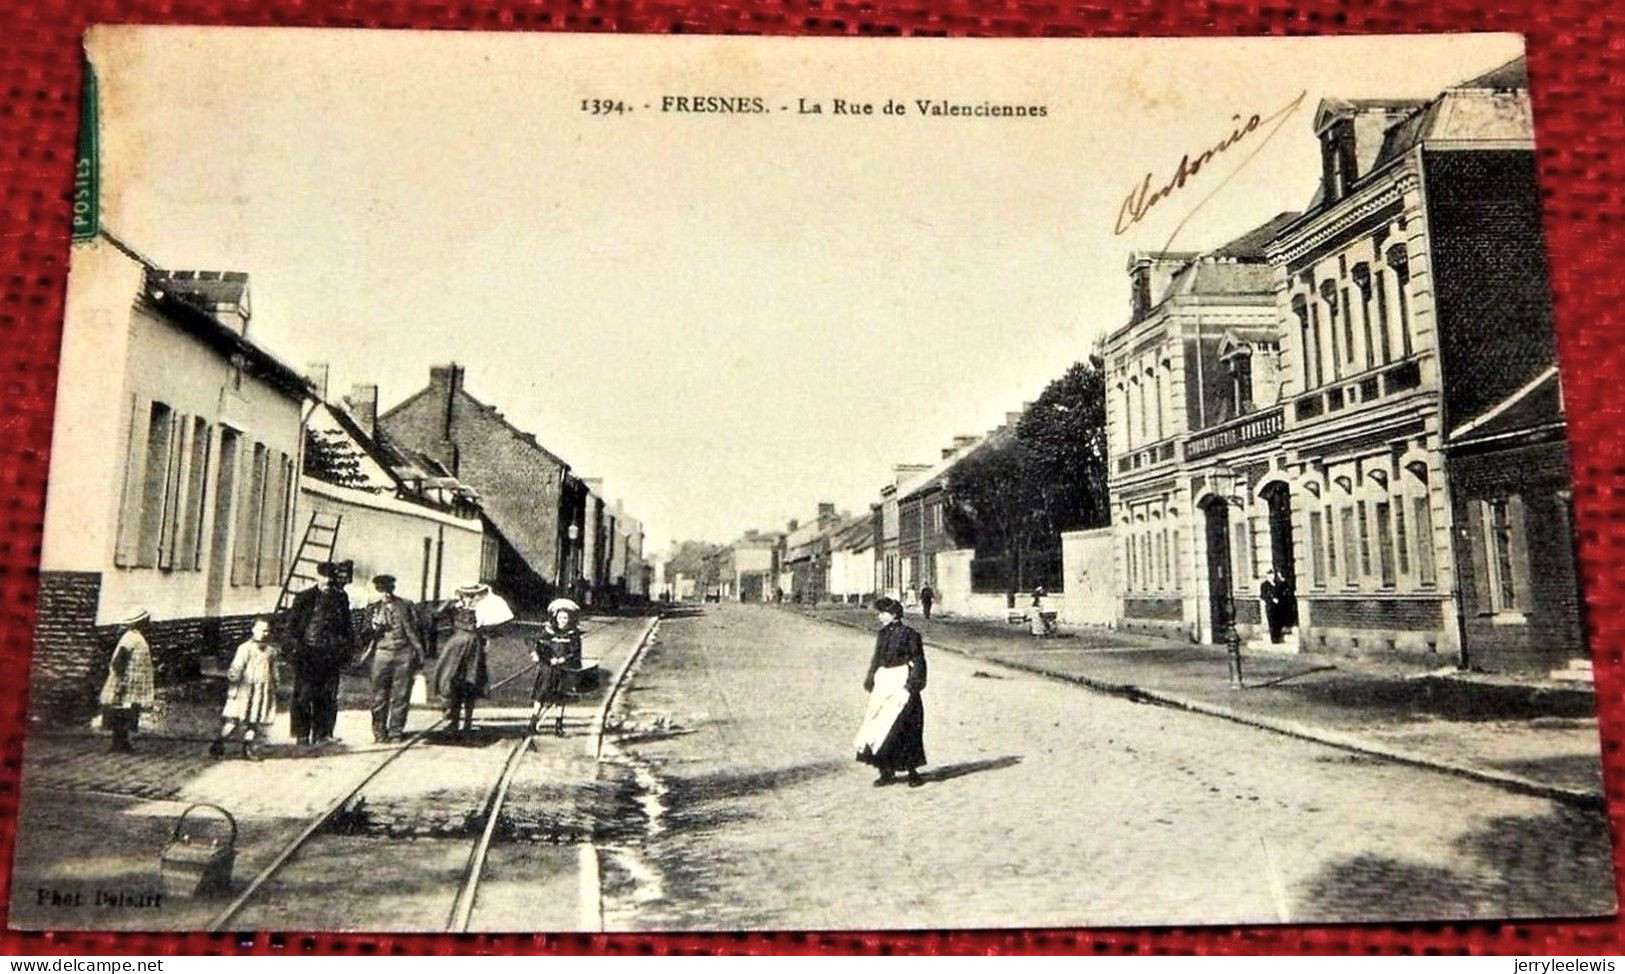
1581, 797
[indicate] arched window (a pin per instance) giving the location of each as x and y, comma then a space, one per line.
1376, 345
1421, 505
1328, 293
1399, 261
1300, 308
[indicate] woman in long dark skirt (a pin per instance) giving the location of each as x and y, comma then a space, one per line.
558, 660
460, 676
892, 737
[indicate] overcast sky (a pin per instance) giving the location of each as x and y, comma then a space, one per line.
727, 317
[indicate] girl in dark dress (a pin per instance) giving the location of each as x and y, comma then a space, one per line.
558, 656
892, 737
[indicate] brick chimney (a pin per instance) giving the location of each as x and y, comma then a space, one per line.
826, 513
447, 381
962, 441
903, 471
363, 405
790, 528
949, 451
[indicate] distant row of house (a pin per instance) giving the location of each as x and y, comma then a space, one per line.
195, 475
904, 543
1362, 396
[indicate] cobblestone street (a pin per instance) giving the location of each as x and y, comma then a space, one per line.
1046, 804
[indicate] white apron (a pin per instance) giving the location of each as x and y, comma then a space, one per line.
886, 703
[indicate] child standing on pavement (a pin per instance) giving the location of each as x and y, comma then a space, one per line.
558, 657
129, 686
251, 703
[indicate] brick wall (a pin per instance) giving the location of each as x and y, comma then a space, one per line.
71, 651
1167, 610
1400, 615
1492, 292
68, 652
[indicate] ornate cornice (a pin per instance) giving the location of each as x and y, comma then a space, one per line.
1328, 225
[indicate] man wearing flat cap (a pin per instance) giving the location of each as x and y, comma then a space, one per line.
396, 645
323, 642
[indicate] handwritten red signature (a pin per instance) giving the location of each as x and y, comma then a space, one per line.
1142, 197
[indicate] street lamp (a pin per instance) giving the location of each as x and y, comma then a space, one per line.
1232, 638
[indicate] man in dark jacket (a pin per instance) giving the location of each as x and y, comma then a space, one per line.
1278, 599
323, 640
927, 597
397, 651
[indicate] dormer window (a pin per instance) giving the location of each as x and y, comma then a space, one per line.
1239, 365
1141, 280
1338, 167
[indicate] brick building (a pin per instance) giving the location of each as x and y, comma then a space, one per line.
397, 512
172, 471
1511, 491
922, 522
521, 484
891, 571
807, 553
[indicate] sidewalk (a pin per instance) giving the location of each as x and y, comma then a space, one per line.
1538, 738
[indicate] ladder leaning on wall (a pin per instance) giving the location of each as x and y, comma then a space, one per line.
320, 540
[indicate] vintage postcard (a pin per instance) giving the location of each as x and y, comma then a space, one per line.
549, 482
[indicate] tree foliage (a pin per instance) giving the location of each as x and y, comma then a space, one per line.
1013, 496
1065, 435
694, 559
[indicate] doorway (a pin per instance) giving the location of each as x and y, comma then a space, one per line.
225, 486
1279, 499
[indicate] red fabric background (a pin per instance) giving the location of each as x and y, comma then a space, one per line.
1577, 64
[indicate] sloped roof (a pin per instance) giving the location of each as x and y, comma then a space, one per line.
1250, 245
938, 474
1510, 76
1207, 278
205, 287
855, 534
1538, 404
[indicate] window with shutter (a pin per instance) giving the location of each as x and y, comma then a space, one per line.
135, 467
273, 532
1423, 519
1351, 570
1244, 554
250, 505
174, 465
154, 484
1385, 543
1518, 552
1317, 555
1365, 538
189, 547
1479, 553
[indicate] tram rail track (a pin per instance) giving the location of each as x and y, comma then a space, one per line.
465, 904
